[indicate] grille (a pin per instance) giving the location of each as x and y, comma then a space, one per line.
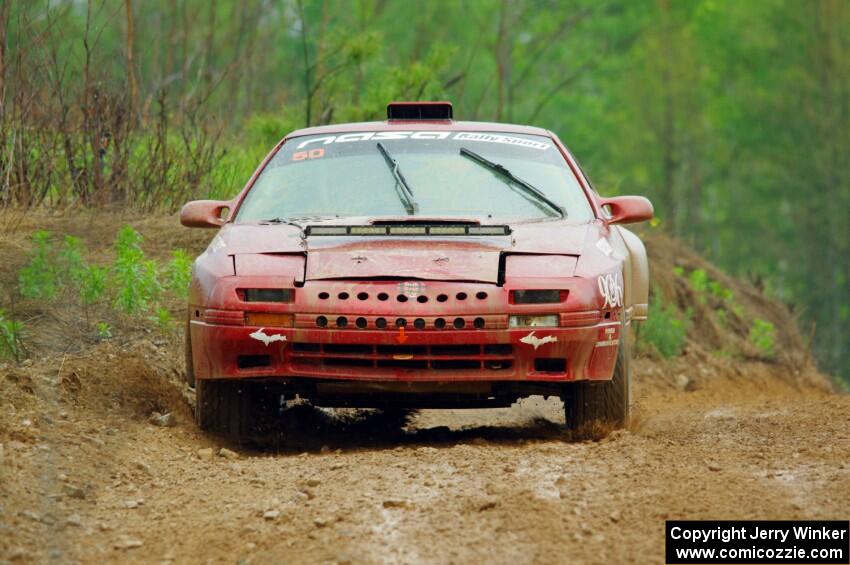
470, 357
392, 323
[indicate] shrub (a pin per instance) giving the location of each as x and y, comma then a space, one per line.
39, 277
664, 330
134, 277
763, 336
179, 273
10, 337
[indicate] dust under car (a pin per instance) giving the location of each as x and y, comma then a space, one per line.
417, 262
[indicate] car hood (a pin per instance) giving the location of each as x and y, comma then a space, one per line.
257, 250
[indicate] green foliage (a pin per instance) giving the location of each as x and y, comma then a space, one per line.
71, 261
92, 283
104, 331
664, 331
10, 338
719, 291
39, 277
763, 336
178, 273
134, 277
698, 280
163, 320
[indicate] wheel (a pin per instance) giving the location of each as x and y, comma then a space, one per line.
240, 409
190, 367
606, 402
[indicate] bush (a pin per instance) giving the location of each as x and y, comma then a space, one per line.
178, 273
134, 277
763, 336
664, 330
10, 338
39, 277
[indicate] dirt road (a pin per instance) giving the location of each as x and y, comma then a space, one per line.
85, 477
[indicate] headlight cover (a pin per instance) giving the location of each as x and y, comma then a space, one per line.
532, 321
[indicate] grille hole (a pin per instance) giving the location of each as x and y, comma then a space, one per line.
607, 315
360, 323
322, 322
309, 347
197, 313
343, 362
456, 364
439, 323
478, 323
498, 349
461, 296
350, 348
341, 322
253, 361
550, 364
442, 298
401, 298
480, 295
459, 323
382, 296
496, 365
363, 296
422, 299
400, 323
455, 349
324, 296
419, 324
342, 296
381, 323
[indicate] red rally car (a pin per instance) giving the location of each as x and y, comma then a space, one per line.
418, 262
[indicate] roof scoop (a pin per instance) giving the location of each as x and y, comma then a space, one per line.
419, 111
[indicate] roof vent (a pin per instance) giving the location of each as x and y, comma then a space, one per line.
419, 111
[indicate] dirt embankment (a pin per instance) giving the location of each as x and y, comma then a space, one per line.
85, 476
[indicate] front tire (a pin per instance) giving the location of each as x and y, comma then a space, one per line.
239, 409
606, 402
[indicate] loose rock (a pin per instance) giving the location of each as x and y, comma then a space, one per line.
206, 453
228, 453
166, 420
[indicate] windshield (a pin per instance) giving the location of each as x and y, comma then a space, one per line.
350, 175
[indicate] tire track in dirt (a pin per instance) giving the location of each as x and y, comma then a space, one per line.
503, 485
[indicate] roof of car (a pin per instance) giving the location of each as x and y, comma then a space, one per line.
420, 125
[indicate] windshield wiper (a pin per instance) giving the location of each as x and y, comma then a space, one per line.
528, 189
404, 191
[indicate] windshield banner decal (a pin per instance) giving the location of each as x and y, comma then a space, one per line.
427, 135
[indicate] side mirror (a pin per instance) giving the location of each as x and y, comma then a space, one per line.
627, 209
204, 213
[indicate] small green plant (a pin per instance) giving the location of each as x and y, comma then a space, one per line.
679, 271
11, 345
178, 273
71, 262
664, 330
104, 331
763, 336
163, 320
719, 291
39, 277
698, 280
134, 277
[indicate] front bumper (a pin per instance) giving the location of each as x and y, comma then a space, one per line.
550, 354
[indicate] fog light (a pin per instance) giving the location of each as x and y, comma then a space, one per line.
266, 294
550, 320
538, 296
268, 319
